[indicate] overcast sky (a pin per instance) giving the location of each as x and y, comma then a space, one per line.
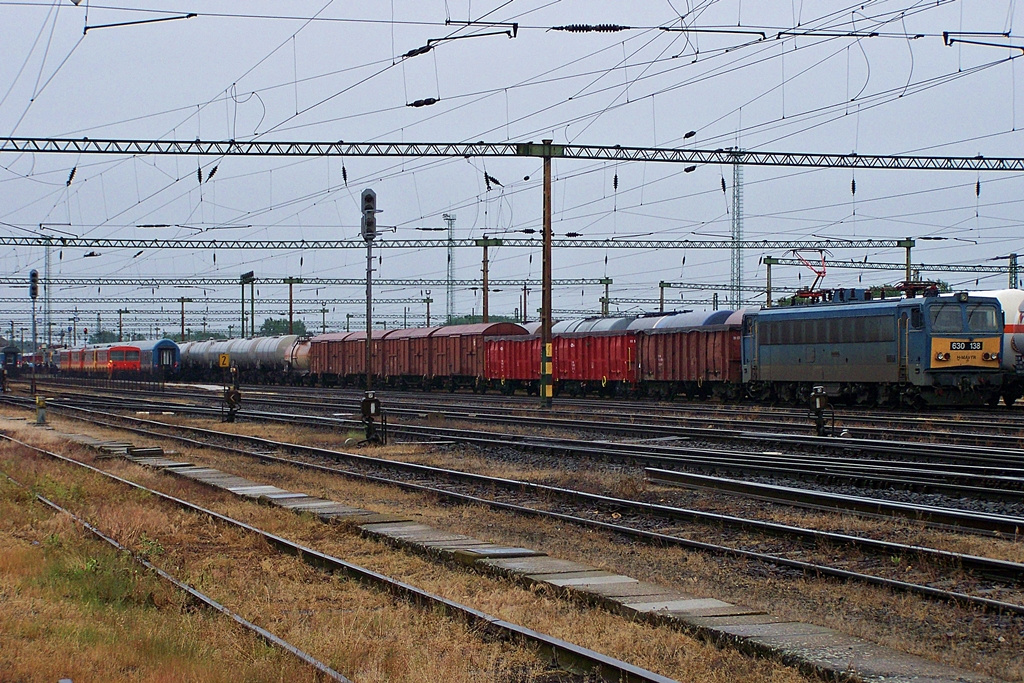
829, 76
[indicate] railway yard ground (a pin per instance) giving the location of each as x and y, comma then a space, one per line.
555, 522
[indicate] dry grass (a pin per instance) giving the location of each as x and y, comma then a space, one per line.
315, 612
933, 630
73, 608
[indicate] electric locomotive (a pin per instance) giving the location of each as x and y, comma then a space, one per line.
936, 350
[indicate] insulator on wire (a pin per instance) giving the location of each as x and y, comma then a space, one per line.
199, 175
853, 186
212, 172
977, 189
424, 102
723, 184
71, 176
591, 28
615, 182
419, 51
344, 174
491, 180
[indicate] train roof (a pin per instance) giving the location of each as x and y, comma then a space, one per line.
591, 325
412, 333
485, 329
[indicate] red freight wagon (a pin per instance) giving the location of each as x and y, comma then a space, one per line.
601, 362
696, 361
406, 357
324, 365
353, 355
513, 363
458, 351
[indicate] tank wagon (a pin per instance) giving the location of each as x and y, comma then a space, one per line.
282, 359
1012, 359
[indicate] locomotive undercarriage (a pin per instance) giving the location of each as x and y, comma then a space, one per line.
882, 394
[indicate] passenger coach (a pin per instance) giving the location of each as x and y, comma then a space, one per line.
144, 359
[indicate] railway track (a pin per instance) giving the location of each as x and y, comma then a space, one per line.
995, 476
1001, 428
641, 520
560, 653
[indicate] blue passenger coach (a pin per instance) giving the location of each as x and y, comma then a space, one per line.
929, 350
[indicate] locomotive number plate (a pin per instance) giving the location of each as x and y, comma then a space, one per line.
965, 346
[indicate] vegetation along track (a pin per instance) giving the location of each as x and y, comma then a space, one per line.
559, 652
981, 578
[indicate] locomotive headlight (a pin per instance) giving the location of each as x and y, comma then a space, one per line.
941, 356
990, 356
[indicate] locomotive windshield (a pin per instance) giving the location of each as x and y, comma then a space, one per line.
948, 318
982, 318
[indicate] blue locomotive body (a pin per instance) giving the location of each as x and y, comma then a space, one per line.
936, 350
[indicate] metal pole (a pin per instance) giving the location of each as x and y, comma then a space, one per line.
768, 281
34, 348
369, 315
291, 281
486, 318
182, 318
661, 299
323, 320
243, 307
607, 297
1014, 283
252, 306
546, 360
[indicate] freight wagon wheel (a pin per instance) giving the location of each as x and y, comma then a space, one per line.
1009, 397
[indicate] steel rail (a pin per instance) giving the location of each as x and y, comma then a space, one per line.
819, 500
986, 478
262, 633
562, 653
983, 481
986, 565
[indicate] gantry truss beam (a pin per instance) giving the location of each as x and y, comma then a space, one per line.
298, 245
203, 300
711, 287
927, 267
192, 314
122, 147
673, 302
174, 281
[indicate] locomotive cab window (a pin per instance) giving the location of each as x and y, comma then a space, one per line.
982, 318
917, 318
946, 318
131, 355
117, 355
